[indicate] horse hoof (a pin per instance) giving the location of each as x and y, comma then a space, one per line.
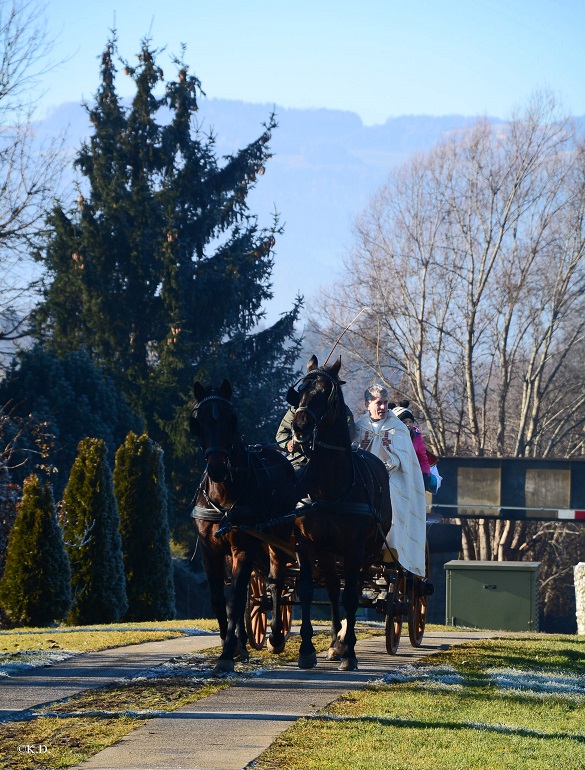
333, 654
348, 664
276, 649
339, 648
223, 667
308, 661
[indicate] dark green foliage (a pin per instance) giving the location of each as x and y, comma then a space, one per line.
35, 588
9, 496
92, 537
161, 272
72, 399
139, 484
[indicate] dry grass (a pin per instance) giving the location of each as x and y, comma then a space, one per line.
93, 638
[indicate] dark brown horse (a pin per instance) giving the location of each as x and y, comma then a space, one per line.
241, 487
348, 512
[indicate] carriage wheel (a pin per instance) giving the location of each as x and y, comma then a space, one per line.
395, 610
417, 605
255, 614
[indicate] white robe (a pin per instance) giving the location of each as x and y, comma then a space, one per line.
389, 439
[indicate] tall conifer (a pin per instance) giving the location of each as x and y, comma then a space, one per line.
35, 588
92, 536
139, 485
161, 262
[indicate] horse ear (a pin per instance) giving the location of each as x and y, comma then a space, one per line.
334, 368
292, 397
312, 363
225, 390
198, 391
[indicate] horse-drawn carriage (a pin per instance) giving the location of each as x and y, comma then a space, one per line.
283, 534
390, 592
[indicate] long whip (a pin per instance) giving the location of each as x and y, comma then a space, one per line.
338, 340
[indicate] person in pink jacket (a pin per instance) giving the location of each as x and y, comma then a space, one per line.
403, 413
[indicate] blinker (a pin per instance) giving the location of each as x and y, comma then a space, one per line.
292, 397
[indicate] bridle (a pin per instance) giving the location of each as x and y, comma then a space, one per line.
333, 400
215, 415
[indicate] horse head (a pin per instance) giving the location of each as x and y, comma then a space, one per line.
318, 402
214, 422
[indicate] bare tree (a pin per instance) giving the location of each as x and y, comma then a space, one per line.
30, 169
472, 260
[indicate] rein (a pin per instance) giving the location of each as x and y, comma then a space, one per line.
216, 512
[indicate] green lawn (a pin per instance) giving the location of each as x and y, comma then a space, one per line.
492, 705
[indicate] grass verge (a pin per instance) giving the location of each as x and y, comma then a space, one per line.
94, 638
491, 705
65, 733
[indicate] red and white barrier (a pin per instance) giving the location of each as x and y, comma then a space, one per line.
568, 514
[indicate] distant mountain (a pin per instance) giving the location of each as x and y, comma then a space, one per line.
326, 165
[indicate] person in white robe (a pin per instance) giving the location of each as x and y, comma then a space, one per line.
381, 432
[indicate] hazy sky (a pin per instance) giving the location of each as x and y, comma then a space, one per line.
378, 58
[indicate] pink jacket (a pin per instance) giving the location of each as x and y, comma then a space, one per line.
418, 443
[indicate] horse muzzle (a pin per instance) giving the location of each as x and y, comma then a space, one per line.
218, 464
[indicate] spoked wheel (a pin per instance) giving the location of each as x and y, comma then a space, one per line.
417, 605
395, 612
258, 606
255, 615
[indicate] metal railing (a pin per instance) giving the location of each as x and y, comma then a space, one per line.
554, 514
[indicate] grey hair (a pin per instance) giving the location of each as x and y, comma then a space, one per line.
375, 391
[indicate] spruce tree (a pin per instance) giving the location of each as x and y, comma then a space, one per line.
92, 536
141, 493
69, 398
35, 588
161, 264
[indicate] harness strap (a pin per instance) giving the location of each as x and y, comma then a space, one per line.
323, 445
217, 514
276, 542
332, 506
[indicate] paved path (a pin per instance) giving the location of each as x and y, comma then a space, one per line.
227, 730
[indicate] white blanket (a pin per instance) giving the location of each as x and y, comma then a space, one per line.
389, 439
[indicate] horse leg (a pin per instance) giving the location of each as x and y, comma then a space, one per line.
214, 565
333, 587
276, 640
241, 650
350, 604
235, 640
305, 590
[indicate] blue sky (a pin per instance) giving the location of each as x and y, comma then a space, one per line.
378, 58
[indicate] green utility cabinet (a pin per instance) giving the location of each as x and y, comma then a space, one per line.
499, 595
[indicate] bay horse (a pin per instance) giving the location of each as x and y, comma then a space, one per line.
241, 487
345, 509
